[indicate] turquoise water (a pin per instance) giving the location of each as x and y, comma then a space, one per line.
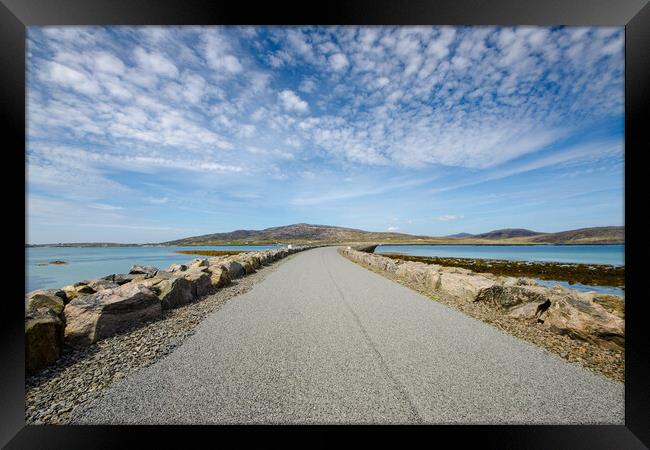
610, 290
85, 263
585, 254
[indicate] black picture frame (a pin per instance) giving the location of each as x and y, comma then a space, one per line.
16, 15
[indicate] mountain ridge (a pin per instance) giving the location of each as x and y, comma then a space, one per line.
311, 233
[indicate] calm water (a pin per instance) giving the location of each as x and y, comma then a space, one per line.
586, 254
85, 263
610, 290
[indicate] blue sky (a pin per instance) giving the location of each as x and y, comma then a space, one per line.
146, 134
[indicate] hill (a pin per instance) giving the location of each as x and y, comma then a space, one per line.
296, 233
459, 235
596, 235
507, 233
303, 233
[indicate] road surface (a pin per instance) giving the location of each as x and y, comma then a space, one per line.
323, 340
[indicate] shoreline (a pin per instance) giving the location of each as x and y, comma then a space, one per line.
470, 244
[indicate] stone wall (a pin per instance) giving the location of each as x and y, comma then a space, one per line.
87, 311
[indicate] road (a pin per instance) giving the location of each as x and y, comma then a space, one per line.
323, 340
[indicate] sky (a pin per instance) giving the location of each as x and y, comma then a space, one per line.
148, 134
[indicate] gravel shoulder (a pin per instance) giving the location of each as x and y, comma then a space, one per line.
80, 375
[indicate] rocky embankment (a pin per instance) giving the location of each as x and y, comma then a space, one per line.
81, 314
586, 328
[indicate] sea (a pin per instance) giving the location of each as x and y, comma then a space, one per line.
85, 263
584, 254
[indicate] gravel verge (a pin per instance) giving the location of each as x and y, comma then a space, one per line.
610, 363
80, 375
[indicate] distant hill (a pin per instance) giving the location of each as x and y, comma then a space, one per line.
596, 235
507, 233
303, 233
300, 232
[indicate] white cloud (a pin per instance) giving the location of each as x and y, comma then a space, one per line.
72, 78
307, 85
108, 63
392, 228
155, 62
338, 61
291, 101
218, 53
157, 200
448, 217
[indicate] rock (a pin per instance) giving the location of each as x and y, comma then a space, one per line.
571, 313
121, 278
41, 299
526, 282
246, 263
234, 269
254, 260
586, 320
77, 290
509, 296
110, 311
219, 277
612, 303
174, 292
43, 339
177, 268
100, 283
199, 262
199, 281
143, 270
58, 292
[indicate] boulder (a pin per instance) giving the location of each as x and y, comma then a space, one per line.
219, 276
585, 320
43, 338
174, 292
58, 292
570, 313
234, 269
177, 268
199, 262
463, 285
108, 312
614, 304
43, 300
121, 278
143, 270
100, 283
512, 295
77, 290
200, 282
247, 264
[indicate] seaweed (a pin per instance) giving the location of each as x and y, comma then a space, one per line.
589, 274
210, 252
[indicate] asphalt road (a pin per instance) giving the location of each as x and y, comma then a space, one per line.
323, 340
